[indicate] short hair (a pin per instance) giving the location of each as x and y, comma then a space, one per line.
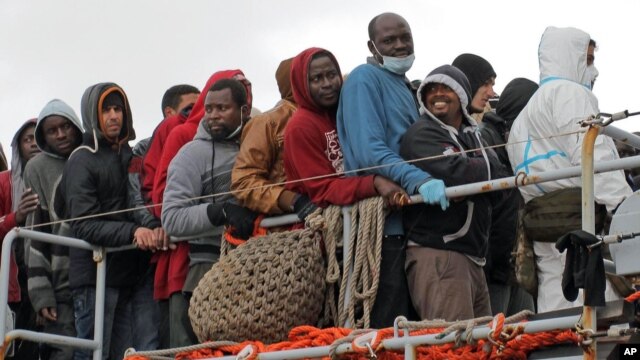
372, 25
238, 92
593, 43
171, 97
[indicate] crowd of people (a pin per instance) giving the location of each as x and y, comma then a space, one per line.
214, 165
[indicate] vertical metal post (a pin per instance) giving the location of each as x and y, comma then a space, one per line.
4, 278
100, 257
346, 248
588, 225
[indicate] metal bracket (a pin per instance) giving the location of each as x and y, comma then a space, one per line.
99, 254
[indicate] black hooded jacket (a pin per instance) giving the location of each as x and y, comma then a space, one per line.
94, 182
494, 128
464, 226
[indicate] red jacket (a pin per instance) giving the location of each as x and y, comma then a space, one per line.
312, 148
153, 154
8, 222
172, 266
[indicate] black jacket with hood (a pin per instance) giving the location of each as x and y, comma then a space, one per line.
504, 220
95, 182
464, 226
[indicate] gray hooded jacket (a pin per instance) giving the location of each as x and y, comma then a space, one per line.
48, 264
200, 169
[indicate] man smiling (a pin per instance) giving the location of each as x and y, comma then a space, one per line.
447, 247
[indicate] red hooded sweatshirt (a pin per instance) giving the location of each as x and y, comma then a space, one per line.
11, 189
312, 147
172, 266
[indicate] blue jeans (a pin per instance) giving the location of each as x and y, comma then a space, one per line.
131, 318
84, 305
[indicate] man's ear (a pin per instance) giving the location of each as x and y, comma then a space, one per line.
245, 111
372, 50
168, 111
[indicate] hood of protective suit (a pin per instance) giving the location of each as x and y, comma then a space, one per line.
60, 108
562, 54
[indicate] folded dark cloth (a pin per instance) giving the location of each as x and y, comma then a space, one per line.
584, 267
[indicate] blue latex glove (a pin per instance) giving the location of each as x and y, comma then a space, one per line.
433, 193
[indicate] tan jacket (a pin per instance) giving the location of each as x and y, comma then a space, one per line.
259, 163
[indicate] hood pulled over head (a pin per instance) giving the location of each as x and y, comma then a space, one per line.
563, 54
513, 99
93, 101
55, 107
300, 77
452, 77
283, 78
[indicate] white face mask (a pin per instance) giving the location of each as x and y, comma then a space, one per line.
592, 74
396, 65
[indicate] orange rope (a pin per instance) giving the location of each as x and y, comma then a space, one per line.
257, 231
4, 347
517, 347
633, 297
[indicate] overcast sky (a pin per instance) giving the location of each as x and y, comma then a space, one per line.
56, 49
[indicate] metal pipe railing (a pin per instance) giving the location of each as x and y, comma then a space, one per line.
96, 343
476, 188
410, 342
621, 135
588, 225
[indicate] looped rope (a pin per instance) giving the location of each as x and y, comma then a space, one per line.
363, 257
345, 340
250, 352
495, 335
463, 325
131, 353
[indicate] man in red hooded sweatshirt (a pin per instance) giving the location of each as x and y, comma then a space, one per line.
311, 141
172, 266
16, 202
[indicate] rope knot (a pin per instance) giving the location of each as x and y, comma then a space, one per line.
249, 352
365, 344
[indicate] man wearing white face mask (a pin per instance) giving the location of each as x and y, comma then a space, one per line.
376, 108
591, 68
546, 136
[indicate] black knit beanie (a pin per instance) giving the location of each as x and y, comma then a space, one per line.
477, 70
113, 99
